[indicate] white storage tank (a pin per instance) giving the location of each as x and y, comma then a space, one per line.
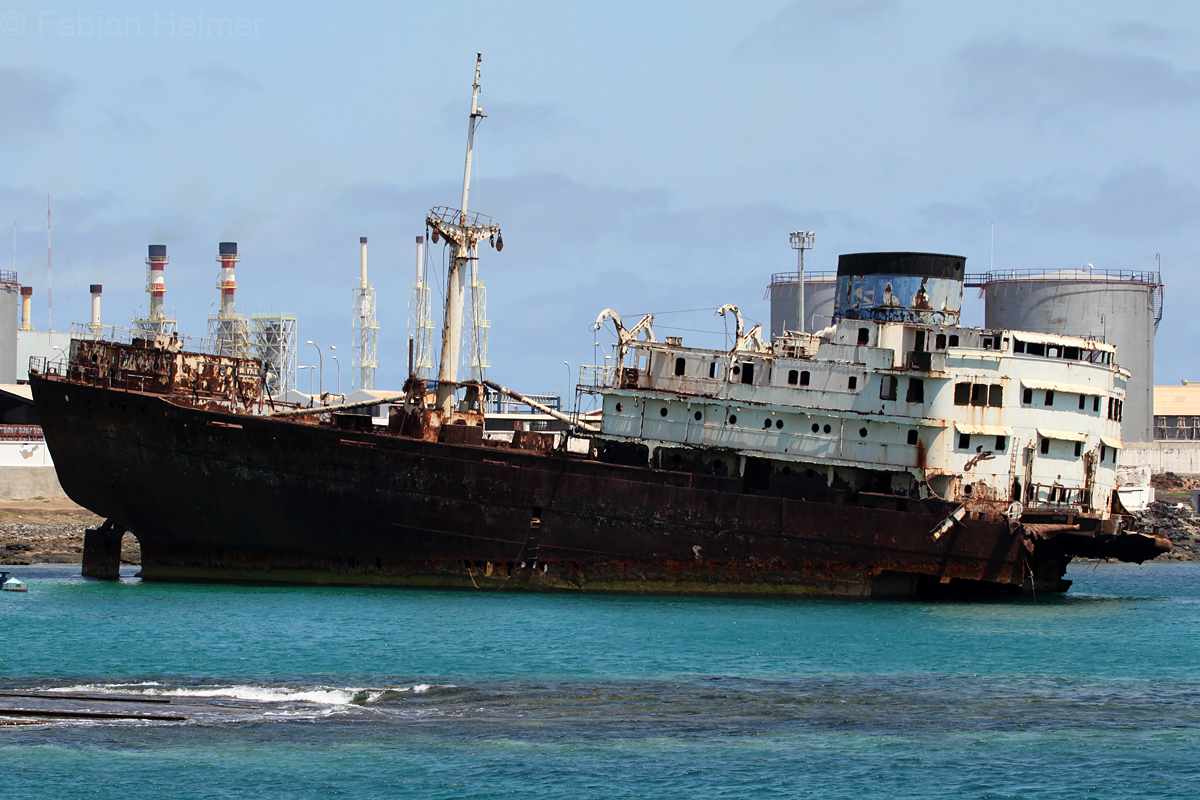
1120, 307
820, 288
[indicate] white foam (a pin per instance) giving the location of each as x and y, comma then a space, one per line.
318, 695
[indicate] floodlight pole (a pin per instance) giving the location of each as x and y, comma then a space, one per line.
801, 241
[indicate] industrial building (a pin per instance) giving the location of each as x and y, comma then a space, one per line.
1177, 412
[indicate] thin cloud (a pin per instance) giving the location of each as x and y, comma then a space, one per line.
32, 103
1017, 78
809, 23
223, 80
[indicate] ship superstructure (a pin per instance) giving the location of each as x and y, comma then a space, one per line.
894, 398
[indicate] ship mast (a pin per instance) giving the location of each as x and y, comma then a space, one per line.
463, 232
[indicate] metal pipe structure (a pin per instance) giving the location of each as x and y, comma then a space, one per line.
26, 308
362, 243
96, 290
156, 260
558, 415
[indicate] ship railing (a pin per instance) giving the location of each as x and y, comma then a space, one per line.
122, 335
453, 216
21, 433
598, 376
1049, 496
980, 279
47, 365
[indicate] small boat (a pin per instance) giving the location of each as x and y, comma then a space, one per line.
11, 584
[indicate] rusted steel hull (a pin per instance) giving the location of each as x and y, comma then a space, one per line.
217, 496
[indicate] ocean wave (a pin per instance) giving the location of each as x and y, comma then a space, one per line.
314, 695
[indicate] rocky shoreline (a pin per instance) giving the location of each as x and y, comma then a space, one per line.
50, 532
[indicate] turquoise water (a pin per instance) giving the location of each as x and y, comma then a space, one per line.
315, 692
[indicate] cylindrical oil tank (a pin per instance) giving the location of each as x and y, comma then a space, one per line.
1122, 308
820, 288
10, 321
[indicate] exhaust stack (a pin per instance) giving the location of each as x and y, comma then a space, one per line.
228, 256
362, 243
96, 289
26, 308
155, 285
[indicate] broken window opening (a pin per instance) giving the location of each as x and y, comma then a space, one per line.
680, 366
887, 387
996, 395
793, 377
916, 391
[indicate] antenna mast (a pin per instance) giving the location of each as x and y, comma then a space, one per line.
49, 264
464, 232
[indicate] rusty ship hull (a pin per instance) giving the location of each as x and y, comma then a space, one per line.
219, 496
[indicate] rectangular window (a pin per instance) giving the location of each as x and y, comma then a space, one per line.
804, 378
912, 437
962, 394
953, 340
852, 383
1027, 397
712, 370
864, 336
1071, 353
979, 393
1103, 452
1035, 349
887, 387
940, 342
793, 377
747, 373
916, 391
1001, 443
995, 395
680, 366
1049, 397
1095, 404
919, 342
1018, 346
1082, 401
1078, 449
1045, 448
964, 441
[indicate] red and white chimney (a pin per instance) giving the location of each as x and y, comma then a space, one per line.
155, 285
228, 256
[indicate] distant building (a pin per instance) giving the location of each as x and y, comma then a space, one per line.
1177, 412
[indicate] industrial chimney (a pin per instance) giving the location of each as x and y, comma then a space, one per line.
26, 308
362, 243
228, 256
155, 284
96, 289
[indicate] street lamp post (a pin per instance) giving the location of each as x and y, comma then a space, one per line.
567, 364
310, 377
339, 371
321, 358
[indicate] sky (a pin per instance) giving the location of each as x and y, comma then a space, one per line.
646, 157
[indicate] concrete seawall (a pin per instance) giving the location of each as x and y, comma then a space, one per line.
1180, 457
26, 483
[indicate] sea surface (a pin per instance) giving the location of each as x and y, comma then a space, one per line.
300, 692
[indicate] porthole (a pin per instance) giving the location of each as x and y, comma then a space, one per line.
66, 398
862, 432
733, 419
816, 427
766, 424
618, 408
779, 424
828, 429
737, 370
698, 416
662, 412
